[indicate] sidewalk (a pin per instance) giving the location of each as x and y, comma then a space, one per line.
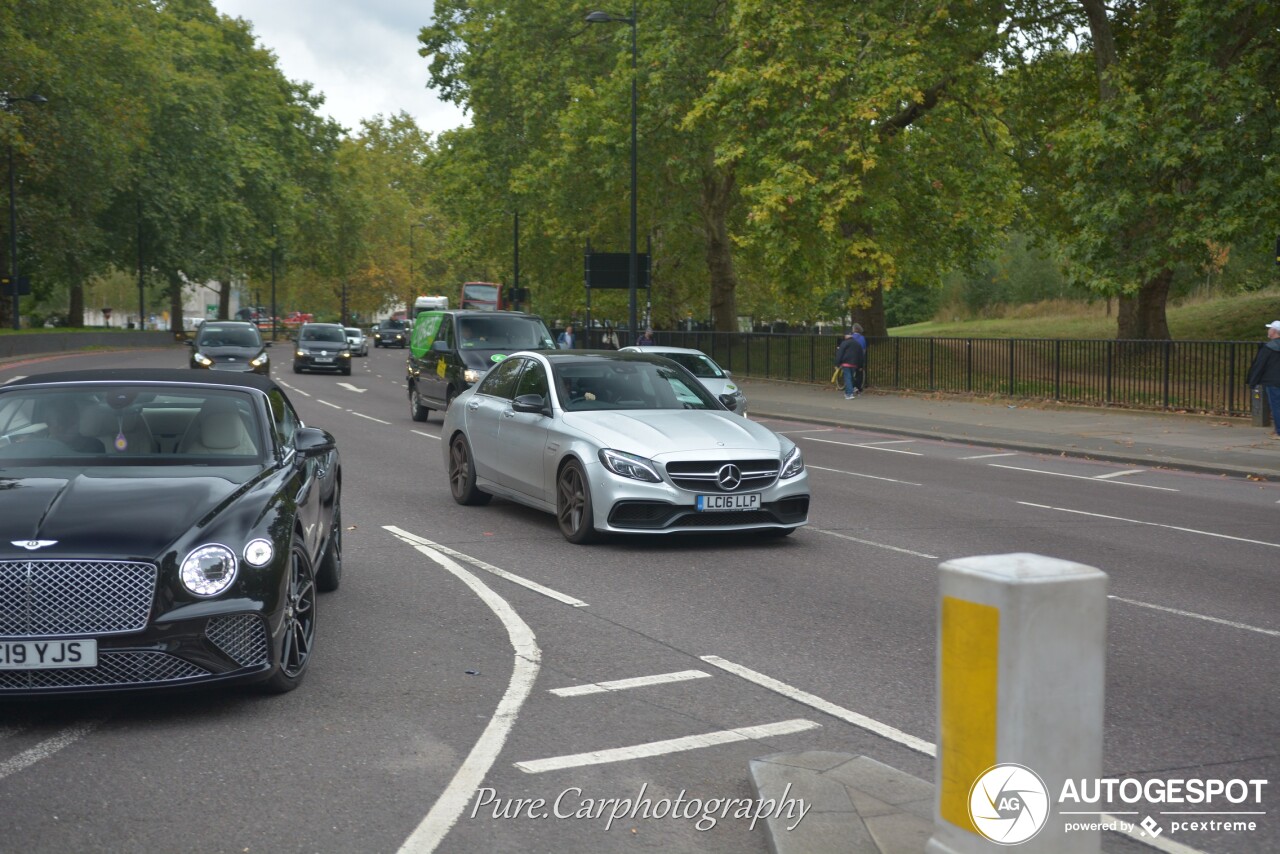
1213, 444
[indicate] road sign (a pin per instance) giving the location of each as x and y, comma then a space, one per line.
6, 286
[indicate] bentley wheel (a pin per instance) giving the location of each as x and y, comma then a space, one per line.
417, 411
330, 574
462, 474
573, 505
298, 628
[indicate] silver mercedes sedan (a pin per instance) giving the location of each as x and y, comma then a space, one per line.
614, 442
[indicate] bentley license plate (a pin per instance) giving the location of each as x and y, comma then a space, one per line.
48, 654
748, 501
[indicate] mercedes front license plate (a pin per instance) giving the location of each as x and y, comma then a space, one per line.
746, 501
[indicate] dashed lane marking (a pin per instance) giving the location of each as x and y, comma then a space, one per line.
661, 748
1082, 477
624, 684
860, 474
868, 446
370, 417
990, 456
869, 542
428, 435
46, 748
1152, 524
1196, 616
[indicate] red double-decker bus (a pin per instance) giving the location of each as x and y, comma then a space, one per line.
482, 296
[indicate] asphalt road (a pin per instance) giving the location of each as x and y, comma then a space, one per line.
430, 718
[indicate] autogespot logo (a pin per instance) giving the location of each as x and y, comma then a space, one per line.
1009, 804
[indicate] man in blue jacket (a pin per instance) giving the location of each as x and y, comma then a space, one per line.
1265, 372
849, 356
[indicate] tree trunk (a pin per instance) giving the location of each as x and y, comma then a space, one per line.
175, 303
75, 309
1142, 317
872, 316
717, 195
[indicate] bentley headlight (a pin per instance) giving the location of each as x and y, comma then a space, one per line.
629, 465
471, 375
202, 359
792, 463
209, 570
258, 552
260, 361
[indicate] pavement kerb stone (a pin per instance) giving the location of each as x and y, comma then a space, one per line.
857, 805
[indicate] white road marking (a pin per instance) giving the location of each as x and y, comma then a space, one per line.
1081, 477
448, 807
428, 435
370, 417
868, 447
815, 430
868, 542
327, 403
660, 748
487, 567
860, 474
46, 748
1118, 474
1153, 524
1196, 616
889, 442
350, 387
989, 456
816, 702
624, 684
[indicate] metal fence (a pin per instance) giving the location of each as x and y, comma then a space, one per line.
1204, 376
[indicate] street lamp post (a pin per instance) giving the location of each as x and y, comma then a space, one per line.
8, 102
633, 272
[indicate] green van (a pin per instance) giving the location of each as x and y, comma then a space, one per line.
449, 351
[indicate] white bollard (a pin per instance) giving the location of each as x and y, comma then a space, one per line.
1021, 664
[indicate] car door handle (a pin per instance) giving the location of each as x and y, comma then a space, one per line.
509, 413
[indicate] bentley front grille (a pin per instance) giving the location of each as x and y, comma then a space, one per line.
242, 637
49, 598
136, 667
724, 475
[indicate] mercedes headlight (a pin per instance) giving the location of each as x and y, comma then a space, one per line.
202, 359
792, 463
260, 361
209, 570
629, 465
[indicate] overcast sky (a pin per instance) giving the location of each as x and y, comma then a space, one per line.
361, 54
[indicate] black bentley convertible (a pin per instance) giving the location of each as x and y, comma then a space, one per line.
161, 528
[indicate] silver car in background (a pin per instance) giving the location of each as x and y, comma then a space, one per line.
356, 341
717, 380
617, 442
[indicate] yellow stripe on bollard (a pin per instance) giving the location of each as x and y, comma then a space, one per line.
969, 691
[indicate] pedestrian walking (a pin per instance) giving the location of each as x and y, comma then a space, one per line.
849, 356
646, 339
609, 341
860, 378
565, 341
1265, 372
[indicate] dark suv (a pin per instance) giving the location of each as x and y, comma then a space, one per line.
391, 333
229, 345
322, 347
451, 350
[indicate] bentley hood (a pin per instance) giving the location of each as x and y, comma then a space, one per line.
98, 513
